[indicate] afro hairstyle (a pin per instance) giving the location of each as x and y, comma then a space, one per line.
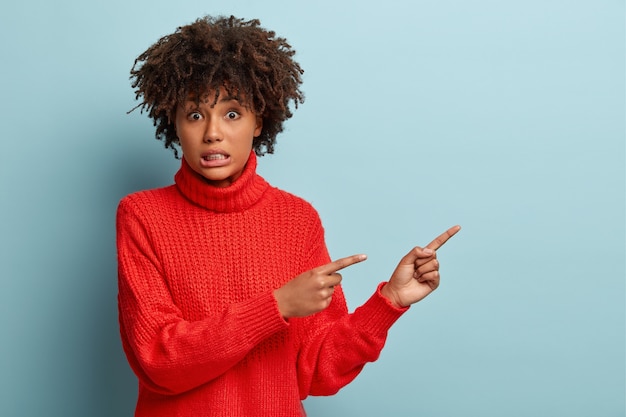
218, 52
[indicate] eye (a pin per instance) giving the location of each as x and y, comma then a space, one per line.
232, 115
194, 116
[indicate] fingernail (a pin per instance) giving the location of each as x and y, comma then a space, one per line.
427, 251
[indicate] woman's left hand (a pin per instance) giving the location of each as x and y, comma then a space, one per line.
417, 274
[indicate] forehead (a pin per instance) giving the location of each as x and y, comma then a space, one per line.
213, 96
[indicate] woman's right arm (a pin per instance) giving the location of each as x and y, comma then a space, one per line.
169, 354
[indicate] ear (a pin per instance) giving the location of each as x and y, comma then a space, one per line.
171, 118
259, 126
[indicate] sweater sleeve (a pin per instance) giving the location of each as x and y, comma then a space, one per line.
334, 345
169, 354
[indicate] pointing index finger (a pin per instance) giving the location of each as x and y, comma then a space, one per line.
443, 238
342, 263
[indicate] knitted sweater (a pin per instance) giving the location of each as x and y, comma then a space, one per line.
199, 324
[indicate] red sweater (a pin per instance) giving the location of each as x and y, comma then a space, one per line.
199, 323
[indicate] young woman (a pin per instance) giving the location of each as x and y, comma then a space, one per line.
229, 303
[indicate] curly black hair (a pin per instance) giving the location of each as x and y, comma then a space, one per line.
218, 52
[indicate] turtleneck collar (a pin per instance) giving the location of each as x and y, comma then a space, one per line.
243, 193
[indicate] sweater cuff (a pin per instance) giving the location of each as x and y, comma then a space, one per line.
261, 316
378, 314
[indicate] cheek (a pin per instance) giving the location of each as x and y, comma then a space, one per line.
188, 132
185, 139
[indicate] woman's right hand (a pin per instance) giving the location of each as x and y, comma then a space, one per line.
312, 291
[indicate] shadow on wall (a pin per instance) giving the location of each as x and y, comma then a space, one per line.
113, 385
120, 172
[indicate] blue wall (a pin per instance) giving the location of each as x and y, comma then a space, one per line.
504, 117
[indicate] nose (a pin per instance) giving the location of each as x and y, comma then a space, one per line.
213, 131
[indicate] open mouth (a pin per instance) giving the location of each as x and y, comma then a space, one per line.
214, 157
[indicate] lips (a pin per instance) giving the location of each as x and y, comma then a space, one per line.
215, 153
214, 159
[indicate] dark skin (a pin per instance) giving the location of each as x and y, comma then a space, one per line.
250, 62
415, 277
243, 57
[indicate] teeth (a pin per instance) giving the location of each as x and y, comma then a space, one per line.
214, 157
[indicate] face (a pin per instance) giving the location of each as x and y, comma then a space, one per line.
217, 139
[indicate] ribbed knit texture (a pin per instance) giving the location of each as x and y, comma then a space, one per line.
199, 323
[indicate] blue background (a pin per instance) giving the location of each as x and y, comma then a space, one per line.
504, 117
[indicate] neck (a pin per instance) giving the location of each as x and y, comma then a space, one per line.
242, 193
